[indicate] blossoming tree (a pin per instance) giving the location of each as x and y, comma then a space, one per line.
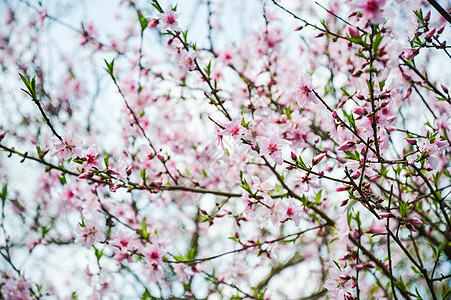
300, 151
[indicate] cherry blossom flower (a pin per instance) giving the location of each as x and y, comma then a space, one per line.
372, 10
90, 157
303, 91
306, 181
186, 60
272, 146
90, 233
169, 19
234, 129
276, 209
293, 212
260, 186
15, 288
339, 284
378, 226
67, 148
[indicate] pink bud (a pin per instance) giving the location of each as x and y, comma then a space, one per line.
356, 175
113, 187
353, 32
160, 157
153, 23
2, 135
360, 111
410, 54
318, 158
334, 114
342, 188
411, 141
344, 202
369, 265
345, 277
427, 17
415, 221
84, 175
129, 170
346, 145
444, 88
359, 267
158, 182
391, 128
440, 30
430, 34
293, 156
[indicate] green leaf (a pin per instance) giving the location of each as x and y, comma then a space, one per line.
143, 176
287, 111
157, 6
146, 295
208, 69
377, 41
109, 66
301, 162
4, 193
106, 160
62, 179
400, 284
31, 86
446, 292
142, 21
440, 249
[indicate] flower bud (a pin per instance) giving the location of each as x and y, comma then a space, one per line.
440, 30
318, 158
427, 17
411, 141
430, 34
444, 88
353, 32
344, 202
360, 111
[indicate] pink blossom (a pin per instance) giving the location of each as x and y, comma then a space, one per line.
169, 19
90, 157
15, 288
272, 146
234, 129
186, 60
346, 146
378, 226
276, 209
372, 10
303, 91
306, 181
260, 186
90, 233
67, 148
154, 256
293, 212
339, 283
